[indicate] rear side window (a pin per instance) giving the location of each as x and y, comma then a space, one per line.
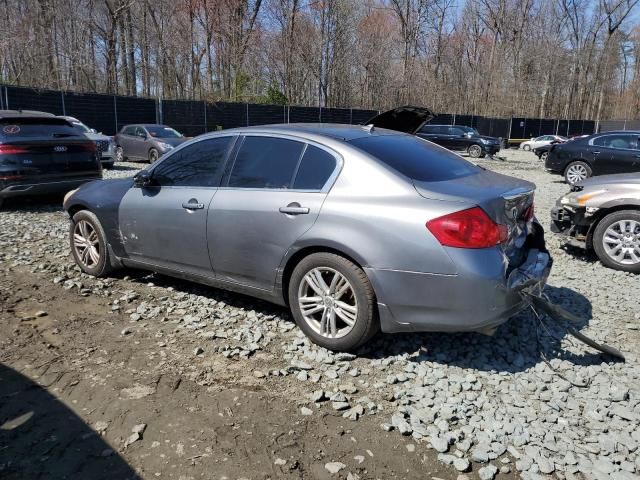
429, 129
316, 167
623, 141
129, 130
32, 127
195, 165
416, 158
265, 162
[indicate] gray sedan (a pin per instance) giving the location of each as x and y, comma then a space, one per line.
354, 228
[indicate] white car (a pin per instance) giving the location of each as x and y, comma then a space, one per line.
541, 141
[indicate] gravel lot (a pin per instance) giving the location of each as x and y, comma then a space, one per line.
486, 406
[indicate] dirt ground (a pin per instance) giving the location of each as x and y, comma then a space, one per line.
73, 388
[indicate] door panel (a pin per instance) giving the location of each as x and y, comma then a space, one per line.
156, 227
248, 235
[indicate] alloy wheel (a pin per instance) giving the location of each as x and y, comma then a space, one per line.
119, 154
621, 242
544, 156
576, 173
327, 302
475, 151
86, 244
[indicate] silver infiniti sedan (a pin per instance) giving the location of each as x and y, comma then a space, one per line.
354, 228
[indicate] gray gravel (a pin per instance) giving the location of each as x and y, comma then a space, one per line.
486, 404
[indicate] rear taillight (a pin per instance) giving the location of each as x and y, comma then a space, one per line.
12, 149
470, 228
10, 177
529, 213
89, 147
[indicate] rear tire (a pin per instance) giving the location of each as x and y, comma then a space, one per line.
619, 233
543, 156
526, 148
339, 301
89, 244
475, 151
576, 172
153, 155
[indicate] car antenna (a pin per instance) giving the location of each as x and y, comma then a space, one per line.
369, 128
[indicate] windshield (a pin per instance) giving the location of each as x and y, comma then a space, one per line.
416, 158
163, 132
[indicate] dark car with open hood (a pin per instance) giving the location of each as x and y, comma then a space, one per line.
41, 154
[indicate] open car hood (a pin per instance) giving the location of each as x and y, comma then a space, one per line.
408, 119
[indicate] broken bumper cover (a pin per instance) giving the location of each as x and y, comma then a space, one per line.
473, 300
572, 224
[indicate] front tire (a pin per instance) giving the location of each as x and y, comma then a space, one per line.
153, 155
576, 172
475, 151
119, 154
89, 244
526, 148
616, 240
543, 156
333, 302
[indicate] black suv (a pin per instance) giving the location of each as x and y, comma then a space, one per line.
599, 154
40, 154
460, 138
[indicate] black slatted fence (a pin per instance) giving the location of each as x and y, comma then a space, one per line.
108, 113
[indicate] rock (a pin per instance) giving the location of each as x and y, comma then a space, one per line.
279, 461
318, 396
258, 374
40, 313
461, 464
334, 467
439, 444
488, 472
359, 458
479, 455
125, 331
198, 351
140, 428
306, 411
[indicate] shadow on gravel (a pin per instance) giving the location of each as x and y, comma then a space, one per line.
33, 204
41, 438
125, 168
580, 254
517, 345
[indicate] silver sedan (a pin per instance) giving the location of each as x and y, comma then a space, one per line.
355, 229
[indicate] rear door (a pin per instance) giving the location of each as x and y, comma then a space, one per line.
126, 140
270, 198
165, 224
457, 139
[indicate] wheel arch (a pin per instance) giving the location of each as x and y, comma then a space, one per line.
602, 213
296, 257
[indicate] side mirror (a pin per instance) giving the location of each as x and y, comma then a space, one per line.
93, 130
142, 179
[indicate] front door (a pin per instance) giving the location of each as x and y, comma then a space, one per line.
165, 223
272, 196
617, 153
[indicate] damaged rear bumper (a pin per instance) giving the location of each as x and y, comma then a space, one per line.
482, 295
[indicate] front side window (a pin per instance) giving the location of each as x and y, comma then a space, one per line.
129, 131
196, 165
265, 162
429, 130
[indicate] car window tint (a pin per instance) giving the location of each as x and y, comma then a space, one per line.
622, 141
36, 127
196, 165
456, 131
265, 162
429, 129
315, 169
416, 158
129, 130
140, 132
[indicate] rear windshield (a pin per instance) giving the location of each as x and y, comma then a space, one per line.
35, 127
416, 158
163, 132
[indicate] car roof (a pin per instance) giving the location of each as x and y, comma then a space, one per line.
337, 131
145, 125
631, 132
24, 114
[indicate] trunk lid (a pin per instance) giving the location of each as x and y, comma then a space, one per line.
407, 119
505, 199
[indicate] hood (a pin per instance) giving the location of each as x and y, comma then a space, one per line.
620, 178
171, 141
490, 139
407, 119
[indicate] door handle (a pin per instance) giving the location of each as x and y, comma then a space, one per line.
294, 208
193, 205
595, 152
